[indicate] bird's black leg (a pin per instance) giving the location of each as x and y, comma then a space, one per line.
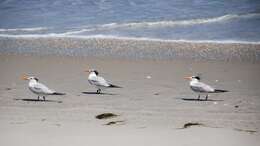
43, 98
199, 97
99, 91
207, 97
38, 98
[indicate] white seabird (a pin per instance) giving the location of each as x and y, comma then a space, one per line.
201, 87
99, 82
39, 89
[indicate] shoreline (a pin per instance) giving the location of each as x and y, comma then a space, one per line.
132, 48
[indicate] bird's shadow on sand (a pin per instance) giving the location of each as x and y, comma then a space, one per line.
195, 99
95, 93
36, 100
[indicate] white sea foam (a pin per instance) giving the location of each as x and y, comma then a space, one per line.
51, 35
23, 29
178, 22
54, 35
158, 24
155, 24
77, 31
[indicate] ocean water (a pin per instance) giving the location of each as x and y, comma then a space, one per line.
191, 20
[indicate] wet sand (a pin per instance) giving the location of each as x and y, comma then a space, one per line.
131, 48
153, 106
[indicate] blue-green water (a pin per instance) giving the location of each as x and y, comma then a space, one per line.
199, 20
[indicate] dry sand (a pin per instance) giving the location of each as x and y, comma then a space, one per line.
154, 104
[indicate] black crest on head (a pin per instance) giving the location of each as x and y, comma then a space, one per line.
95, 71
197, 77
36, 79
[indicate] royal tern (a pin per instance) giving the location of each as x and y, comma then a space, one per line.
38, 88
99, 82
201, 87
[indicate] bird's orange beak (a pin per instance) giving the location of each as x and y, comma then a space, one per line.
188, 78
24, 77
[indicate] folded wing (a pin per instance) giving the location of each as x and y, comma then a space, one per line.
41, 89
202, 87
99, 81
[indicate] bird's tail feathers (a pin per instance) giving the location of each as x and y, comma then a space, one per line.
219, 91
114, 86
57, 93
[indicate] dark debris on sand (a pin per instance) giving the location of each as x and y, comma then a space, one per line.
190, 124
246, 130
114, 122
236, 106
7, 89
106, 116
156, 93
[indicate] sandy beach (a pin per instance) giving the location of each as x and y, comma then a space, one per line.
152, 107
147, 47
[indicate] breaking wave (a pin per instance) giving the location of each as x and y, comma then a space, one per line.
181, 22
161, 24
130, 25
23, 29
79, 33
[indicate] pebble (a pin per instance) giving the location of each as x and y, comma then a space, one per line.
148, 77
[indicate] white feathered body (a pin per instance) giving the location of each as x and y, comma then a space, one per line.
97, 81
39, 88
200, 87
